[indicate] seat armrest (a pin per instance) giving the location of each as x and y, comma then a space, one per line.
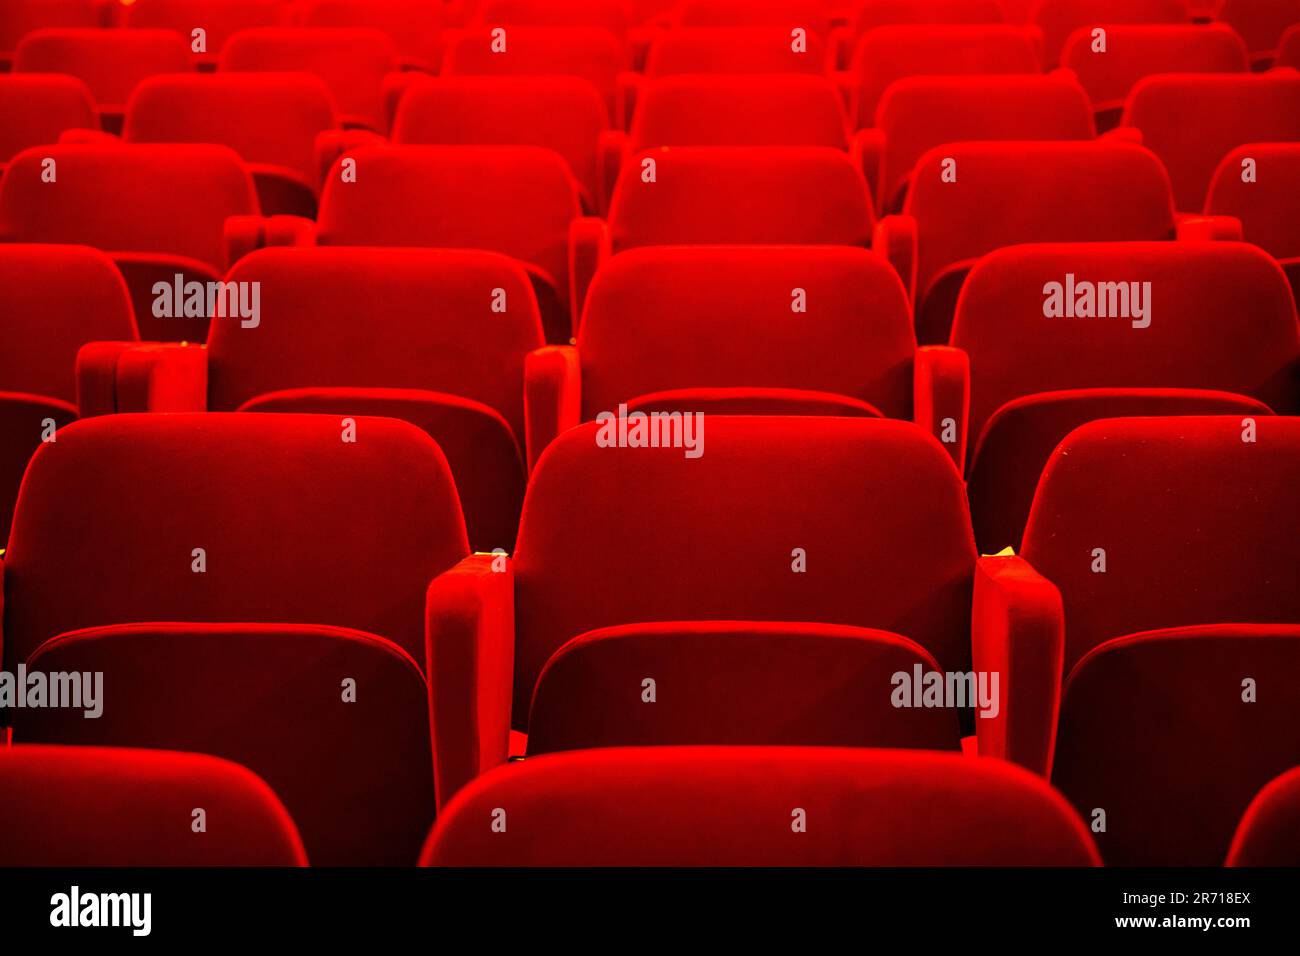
333, 143
1123, 134
245, 234
941, 397
867, 150
141, 377
1018, 632
88, 137
895, 238
589, 246
552, 396
469, 644
1193, 228
628, 92
613, 149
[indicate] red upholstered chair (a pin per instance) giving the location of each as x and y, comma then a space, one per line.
281, 621
218, 19
414, 26
113, 806
36, 108
1191, 121
1134, 51
1288, 51
272, 120
1167, 542
696, 329
111, 63
871, 14
627, 568
733, 50
1222, 339
21, 17
1268, 205
1269, 832
739, 806
1058, 19
968, 199
56, 299
435, 336
609, 15
1261, 23
516, 200
918, 113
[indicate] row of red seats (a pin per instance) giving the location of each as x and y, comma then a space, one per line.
197, 560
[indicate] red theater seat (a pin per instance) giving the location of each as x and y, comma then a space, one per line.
57, 298
728, 50
271, 119
1261, 23
414, 26
602, 577
35, 108
1268, 206
1191, 121
813, 16
1060, 18
110, 806
968, 199
695, 328
354, 63
1269, 832
1288, 51
891, 53
218, 19
870, 14
21, 17
157, 210
1133, 52
745, 806
287, 566
110, 62
1168, 541
1034, 378
608, 15
921, 112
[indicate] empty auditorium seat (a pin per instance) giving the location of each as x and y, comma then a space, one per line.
517, 200
1191, 121
414, 26
1268, 206
1261, 23
733, 50
1060, 18
158, 211
608, 15
625, 563
111, 806
561, 113
352, 332
590, 53
110, 62
218, 19
251, 586
718, 194
758, 806
21, 17
810, 15
1269, 832
271, 119
1288, 51
890, 53
1220, 337
696, 328
353, 63
1134, 51
35, 108
57, 298
968, 199
870, 14
920, 112
1170, 544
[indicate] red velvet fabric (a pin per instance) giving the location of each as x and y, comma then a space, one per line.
1060, 18
38, 107
730, 50
110, 62
1268, 207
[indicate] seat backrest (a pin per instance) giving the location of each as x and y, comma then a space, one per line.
608, 15
171, 199
334, 720
295, 525
1196, 518
1191, 121
1133, 51
1059, 18
38, 107
518, 200
1269, 832
871, 14
56, 299
563, 113
414, 26
755, 195
352, 62
270, 118
810, 15
920, 112
217, 18
113, 806
1260, 23
110, 62
379, 318
735, 306
619, 535
1201, 297
734, 806
733, 50
20, 17
1288, 50
890, 53
1268, 203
